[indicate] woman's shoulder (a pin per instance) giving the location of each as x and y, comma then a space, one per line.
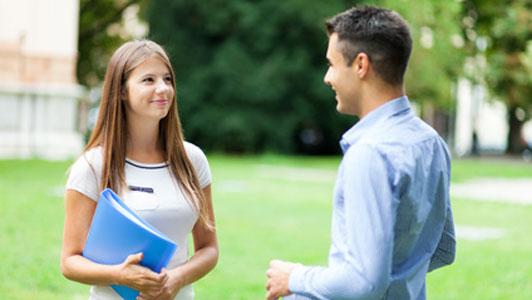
193, 151
200, 163
85, 173
92, 156
90, 161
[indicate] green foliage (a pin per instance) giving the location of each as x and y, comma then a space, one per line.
437, 57
250, 74
505, 29
95, 43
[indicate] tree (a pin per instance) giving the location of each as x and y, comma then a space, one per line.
502, 30
250, 73
437, 57
95, 42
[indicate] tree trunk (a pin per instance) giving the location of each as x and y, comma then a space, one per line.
515, 141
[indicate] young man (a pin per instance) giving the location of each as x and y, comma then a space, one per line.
392, 221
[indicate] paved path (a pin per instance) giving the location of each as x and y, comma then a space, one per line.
477, 233
517, 190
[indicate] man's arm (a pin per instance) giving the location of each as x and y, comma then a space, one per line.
366, 224
446, 250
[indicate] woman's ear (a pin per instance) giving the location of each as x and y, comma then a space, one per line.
123, 94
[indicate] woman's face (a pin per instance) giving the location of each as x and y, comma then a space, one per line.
149, 91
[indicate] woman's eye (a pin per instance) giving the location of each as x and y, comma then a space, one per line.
168, 78
149, 79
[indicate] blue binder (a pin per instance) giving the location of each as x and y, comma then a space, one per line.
116, 232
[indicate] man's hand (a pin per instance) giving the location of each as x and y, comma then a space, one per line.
278, 278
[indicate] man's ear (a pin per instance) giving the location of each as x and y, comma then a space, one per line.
361, 65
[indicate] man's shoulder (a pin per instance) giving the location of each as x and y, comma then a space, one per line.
395, 140
402, 132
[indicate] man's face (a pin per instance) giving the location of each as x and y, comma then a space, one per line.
342, 78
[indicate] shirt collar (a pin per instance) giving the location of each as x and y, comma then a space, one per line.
382, 112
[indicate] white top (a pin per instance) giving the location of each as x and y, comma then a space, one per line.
165, 208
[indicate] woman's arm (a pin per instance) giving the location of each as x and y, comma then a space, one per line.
79, 210
205, 247
202, 262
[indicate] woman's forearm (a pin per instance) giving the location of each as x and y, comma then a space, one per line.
201, 263
80, 269
128, 273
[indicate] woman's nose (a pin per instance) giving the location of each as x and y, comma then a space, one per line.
162, 87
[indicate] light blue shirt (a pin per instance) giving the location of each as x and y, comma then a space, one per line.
392, 221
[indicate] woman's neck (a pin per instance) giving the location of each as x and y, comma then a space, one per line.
143, 143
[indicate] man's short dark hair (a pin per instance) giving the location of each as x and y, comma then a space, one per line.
380, 33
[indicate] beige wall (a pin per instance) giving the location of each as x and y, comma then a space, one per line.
38, 40
17, 67
39, 96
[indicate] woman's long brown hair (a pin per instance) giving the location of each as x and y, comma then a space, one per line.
111, 132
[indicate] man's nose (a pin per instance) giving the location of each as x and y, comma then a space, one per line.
326, 78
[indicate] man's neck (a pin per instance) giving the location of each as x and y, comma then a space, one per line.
379, 95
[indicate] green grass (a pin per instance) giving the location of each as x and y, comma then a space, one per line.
31, 224
493, 268
266, 207
503, 168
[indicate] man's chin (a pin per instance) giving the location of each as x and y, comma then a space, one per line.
340, 108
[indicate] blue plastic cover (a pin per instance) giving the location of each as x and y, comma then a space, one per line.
116, 232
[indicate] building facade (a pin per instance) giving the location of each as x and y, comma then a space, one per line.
39, 96
481, 124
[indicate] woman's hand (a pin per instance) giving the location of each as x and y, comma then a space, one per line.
140, 278
173, 285
204, 259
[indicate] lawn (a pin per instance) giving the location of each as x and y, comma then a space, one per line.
266, 207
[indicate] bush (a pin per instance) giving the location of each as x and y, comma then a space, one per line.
249, 75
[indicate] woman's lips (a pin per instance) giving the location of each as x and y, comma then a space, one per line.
160, 101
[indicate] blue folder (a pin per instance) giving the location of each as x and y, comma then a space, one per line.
116, 232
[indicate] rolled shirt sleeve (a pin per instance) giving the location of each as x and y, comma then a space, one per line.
446, 249
445, 252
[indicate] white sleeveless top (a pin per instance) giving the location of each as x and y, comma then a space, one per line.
163, 204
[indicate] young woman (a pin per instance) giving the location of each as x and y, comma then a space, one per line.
137, 149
